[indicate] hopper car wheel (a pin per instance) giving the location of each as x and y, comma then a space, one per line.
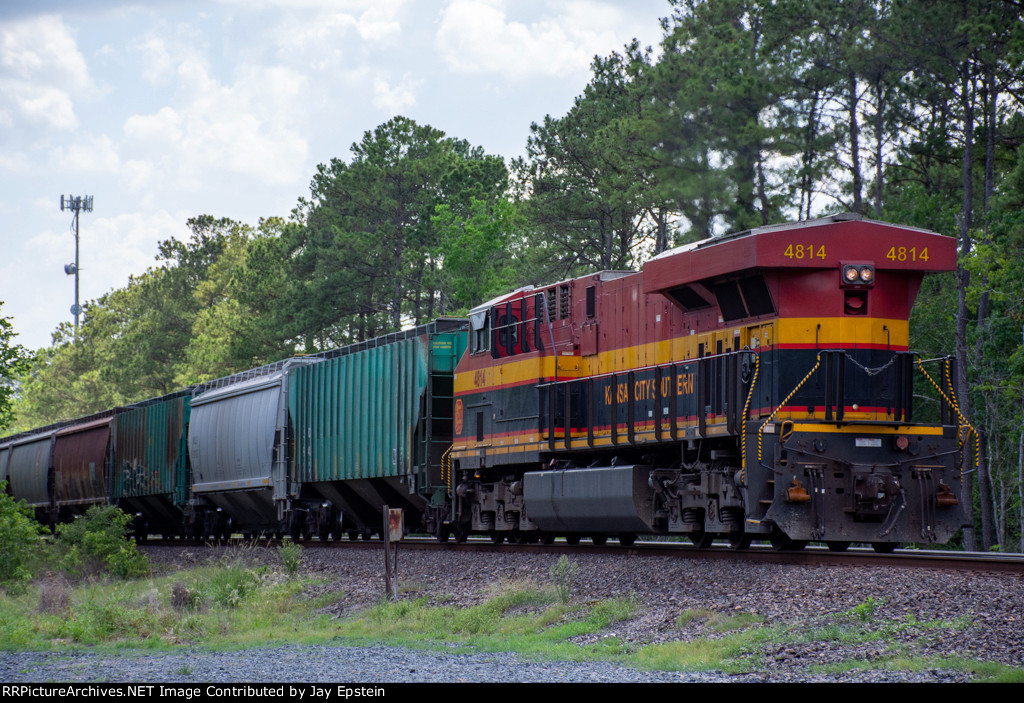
547, 538
497, 537
324, 532
739, 540
572, 539
627, 539
599, 540
353, 535
884, 547
460, 535
520, 537
838, 546
702, 539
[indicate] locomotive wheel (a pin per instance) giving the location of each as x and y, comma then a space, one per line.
884, 547
497, 537
702, 539
627, 539
781, 541
572, 539
739, 540
599, 540
838, 546
460, 535
442, 533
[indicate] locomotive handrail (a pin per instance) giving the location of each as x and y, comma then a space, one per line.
951, 401
965, 429
746, 410
760, 431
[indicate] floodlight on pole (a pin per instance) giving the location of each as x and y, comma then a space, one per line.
76, 204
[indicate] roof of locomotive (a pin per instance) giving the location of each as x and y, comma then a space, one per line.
822, 243
740, 251
787, 226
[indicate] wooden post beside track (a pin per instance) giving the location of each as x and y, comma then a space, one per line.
394, 530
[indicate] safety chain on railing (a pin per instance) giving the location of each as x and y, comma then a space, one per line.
760, 431
874, 371
746, 409
951, 401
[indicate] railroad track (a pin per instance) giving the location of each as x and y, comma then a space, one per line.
984, 562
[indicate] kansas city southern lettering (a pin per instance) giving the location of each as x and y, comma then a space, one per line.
647, 389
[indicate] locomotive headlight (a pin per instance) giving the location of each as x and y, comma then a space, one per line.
858, 274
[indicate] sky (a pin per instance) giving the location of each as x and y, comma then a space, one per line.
166, 110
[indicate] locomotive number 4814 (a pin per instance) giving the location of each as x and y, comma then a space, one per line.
905, 254
799, 251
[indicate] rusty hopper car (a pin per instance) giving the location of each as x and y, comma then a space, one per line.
150, 463
758, 385
62, 469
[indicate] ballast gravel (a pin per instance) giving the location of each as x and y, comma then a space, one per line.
917, 613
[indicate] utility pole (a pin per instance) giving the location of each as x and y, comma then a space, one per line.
76, 204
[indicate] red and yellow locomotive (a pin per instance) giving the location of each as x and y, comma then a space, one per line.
757, 385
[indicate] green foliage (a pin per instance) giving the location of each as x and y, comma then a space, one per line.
97, 542
290, 555
20, 541
588, 181
365, 254
475, 249
14, 362
232, 586
719, 622
866, 610
563, 573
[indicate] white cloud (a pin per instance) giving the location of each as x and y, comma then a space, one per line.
43, 104
89, 154
476, 36
139, 175
380, 20
393, 99
42, 46
41, 71
245, 127
157, 63
161, 127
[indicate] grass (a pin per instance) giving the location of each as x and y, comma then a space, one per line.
241, 606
